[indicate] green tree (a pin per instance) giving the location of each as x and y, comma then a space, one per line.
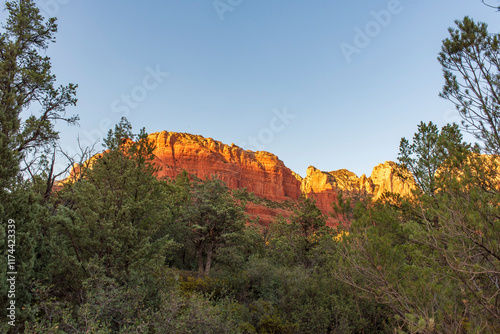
295, 239
116, 216
441, 242
27, 84
382, 260
470, 58
310, 224
431, 152
29, 106
468, 209
459, 229
213, 217
468, 239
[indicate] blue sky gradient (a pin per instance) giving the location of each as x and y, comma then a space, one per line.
230, 73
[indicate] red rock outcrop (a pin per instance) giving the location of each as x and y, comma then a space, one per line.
384, 179
321, 186
324, 186
264, 174
260, 172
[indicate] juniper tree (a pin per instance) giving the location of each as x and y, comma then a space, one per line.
30, 103
116, 215
214, 219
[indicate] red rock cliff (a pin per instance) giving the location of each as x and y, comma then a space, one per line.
324, 186
264, 174
260, 172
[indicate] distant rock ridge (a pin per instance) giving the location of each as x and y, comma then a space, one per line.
264, 174
324, 186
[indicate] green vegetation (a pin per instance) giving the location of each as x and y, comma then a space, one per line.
249, 197
434, 258
116, 250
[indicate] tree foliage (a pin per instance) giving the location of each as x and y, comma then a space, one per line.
116, 216
30, 104
27, 85
471, 64
214, 219
432, 258
431, 153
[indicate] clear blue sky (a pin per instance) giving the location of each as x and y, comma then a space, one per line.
232, 70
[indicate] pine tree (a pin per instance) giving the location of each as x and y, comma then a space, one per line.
470, 58
27, 85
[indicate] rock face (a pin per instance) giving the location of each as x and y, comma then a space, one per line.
264, 174
384, 178
324, 186
321, 186
260, 172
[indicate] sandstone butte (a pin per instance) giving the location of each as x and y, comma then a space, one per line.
264, 174
260, 172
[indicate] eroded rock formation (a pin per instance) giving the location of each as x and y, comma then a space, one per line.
264, 174
324, 186
260, 172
